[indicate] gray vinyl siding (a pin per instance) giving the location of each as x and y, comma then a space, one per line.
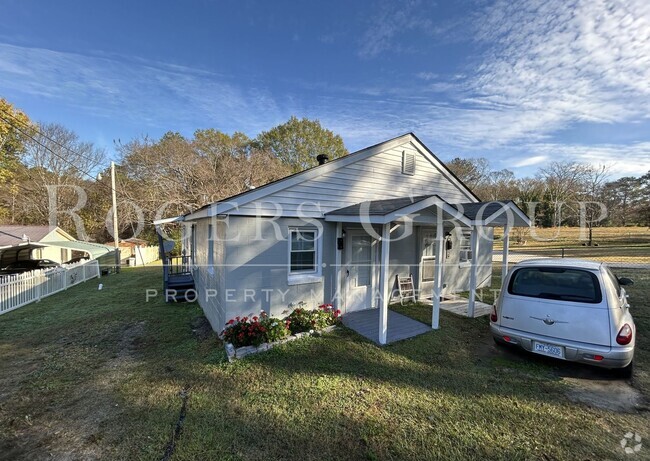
377, 177
257, 267
209, 281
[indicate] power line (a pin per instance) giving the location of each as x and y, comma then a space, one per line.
31, 127
53, 153
60, 145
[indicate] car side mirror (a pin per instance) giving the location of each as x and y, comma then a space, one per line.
624, 281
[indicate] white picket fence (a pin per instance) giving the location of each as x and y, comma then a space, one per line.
21, 289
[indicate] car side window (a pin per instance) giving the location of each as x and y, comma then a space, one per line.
614, 281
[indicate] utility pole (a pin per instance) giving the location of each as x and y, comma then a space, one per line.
115, 231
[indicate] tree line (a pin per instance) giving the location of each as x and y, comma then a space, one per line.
46, 167
562, 192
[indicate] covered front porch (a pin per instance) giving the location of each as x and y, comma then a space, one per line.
376, 227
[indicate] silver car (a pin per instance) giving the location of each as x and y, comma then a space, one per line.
568, 309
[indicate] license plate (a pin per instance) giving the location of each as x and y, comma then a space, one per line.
548, 349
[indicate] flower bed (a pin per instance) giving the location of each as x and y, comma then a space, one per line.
251, 334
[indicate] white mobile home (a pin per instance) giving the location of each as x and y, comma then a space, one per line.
342, 232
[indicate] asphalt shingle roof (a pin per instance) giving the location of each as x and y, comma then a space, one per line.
13, 234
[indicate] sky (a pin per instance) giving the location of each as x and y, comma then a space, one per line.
521, 83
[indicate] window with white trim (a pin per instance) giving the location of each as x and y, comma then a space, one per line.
303, 251
210, 249
465, 246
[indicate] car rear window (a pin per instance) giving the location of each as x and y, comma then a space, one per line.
563, 284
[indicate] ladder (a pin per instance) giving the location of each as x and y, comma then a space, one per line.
406, 288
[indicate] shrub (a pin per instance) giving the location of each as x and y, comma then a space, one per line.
276, 329
301, 320
253, 330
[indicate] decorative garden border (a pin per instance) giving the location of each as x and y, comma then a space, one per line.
241, 352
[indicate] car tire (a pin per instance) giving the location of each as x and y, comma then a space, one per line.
626, 372
499, 342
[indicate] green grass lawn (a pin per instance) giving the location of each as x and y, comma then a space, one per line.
90, 374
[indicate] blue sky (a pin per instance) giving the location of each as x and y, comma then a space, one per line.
520, 83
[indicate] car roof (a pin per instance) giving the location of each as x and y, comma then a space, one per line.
561, 262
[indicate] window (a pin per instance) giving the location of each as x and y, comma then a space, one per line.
210, 249
408, 163
614, 281
303, 252
557, 283
465, 246
428, 260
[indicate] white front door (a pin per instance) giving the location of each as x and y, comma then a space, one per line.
360, 256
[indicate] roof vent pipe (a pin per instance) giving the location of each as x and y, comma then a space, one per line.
322, 159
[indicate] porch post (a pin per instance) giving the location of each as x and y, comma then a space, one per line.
383, 284
437, 276
337, 269
506, 250
472, 273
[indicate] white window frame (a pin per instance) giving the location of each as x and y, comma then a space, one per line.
465, 247
210, 249
310, 276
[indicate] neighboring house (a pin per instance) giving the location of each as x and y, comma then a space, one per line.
341, 232
45, 242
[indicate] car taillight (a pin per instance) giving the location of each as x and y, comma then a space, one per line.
625, 335
493, 316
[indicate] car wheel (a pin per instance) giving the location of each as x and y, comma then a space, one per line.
625, 373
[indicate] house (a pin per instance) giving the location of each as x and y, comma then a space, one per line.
19, 242
342, 232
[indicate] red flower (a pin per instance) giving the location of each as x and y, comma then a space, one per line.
255, 319
245, 319
230, 322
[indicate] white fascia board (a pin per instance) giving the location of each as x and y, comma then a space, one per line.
401, 213
373, 219
443, 170
525, 221
169, 220
434, 201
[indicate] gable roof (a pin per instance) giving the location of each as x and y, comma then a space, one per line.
383, 211
231, 203
13, 234
494, 213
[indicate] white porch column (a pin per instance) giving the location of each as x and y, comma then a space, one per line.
337, 269
383, 284
506, 250
437, 276
473, 271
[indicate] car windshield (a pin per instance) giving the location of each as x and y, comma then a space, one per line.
558, 283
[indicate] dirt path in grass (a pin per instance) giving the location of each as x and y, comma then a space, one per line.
68, 429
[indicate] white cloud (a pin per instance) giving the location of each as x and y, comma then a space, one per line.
144, 92
529, 161
388, 21
632, 159
551, 63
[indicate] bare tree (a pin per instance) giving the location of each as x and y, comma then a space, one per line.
563, 182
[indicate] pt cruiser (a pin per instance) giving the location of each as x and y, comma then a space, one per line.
568, 309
